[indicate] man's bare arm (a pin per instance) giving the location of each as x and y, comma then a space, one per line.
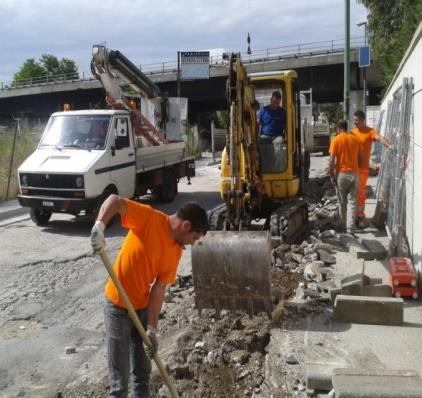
112, 206
382, 140
156, 298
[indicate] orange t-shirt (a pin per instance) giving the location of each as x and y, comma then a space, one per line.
365, 135
148, 253
346, 147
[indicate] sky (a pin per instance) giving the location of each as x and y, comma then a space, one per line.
153, 31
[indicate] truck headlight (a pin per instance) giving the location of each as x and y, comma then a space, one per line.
24, 179
79, 182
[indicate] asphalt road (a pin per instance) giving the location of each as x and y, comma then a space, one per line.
51, 295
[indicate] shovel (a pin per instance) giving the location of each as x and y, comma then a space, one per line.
166, 378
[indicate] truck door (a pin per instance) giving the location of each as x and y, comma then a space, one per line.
122, 167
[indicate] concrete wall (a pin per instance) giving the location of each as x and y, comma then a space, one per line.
411, 67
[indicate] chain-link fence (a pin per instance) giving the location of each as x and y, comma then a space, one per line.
17, 141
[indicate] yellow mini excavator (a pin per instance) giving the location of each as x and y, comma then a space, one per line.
260, 180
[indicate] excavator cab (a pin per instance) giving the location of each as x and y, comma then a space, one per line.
260, 180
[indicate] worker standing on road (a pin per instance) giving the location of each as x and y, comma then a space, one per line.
366, 136
345, 160
146, 263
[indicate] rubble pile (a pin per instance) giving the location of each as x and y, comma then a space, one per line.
307, 267
219, 356
225, 355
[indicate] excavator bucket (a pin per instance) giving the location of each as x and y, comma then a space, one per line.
231, 270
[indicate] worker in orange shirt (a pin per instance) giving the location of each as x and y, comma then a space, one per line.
146, 263
366, 136
345, 159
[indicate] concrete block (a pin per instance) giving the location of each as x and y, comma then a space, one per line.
349, 242
378, 269
376, 248
353, 284
375, 281
370, 310
376, 383
359, 250
377, 290
334, 293
319, 374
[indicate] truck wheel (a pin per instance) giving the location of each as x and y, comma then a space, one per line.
168, 189
40, 217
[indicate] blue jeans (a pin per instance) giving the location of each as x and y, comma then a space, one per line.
125, 350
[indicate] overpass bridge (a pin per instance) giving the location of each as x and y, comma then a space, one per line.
319, 65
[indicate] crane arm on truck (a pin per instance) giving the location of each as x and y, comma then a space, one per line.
113, 70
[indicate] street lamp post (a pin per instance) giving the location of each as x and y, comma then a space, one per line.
364, 24
346, 88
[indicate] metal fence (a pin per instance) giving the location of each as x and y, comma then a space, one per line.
17, 142
257, 56
391, 187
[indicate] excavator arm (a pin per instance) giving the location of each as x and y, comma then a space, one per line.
241, 146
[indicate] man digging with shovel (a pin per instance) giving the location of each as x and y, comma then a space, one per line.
345, 159
146, 263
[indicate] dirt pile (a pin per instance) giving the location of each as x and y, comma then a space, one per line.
219, 357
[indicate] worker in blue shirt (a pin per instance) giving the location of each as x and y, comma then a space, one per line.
272, 118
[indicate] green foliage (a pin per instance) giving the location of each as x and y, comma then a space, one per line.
391, 25
193, 145
47, 65
333, 110
30, 69
223, 119
25, 145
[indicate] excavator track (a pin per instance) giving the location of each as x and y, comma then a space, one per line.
290, 221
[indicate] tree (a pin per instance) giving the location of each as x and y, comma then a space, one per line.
48, 65
29, 70
391, 25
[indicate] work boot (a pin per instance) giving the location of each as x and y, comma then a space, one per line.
361, 223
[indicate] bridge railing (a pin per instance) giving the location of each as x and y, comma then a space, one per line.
261, 55
267, 54
46, 79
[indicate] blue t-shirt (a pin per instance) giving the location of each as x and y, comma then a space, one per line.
272, 121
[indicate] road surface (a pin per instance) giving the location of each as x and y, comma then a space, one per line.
51, 295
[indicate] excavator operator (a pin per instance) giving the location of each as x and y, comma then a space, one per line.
272, 124
272, 118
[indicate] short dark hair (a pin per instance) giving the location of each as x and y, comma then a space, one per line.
193, 212
276, 94
342, 124
360, 115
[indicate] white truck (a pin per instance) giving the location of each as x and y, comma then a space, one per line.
84, 156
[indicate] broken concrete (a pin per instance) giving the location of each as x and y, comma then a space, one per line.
372, 383
378, 251
378, 290
319, 374
353, 285
369, 310
326, 257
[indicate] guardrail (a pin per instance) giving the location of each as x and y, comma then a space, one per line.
260, 55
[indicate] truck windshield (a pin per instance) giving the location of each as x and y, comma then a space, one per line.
76, 131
